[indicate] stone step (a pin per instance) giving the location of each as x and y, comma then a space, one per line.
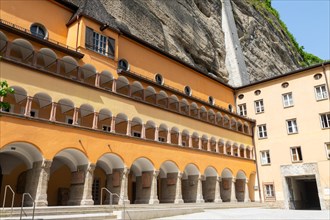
89, 216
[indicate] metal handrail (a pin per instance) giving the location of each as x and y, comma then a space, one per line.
12, 198
110, 193
33, 202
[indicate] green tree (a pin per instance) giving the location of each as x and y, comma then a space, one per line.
4, 90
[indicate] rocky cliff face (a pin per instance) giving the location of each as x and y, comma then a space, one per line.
192, 31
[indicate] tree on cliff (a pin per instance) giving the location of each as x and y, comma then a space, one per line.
4, 90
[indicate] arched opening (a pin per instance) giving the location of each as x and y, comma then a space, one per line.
140, 182
248, 152
86, 115
136, 127
221, 146
150, 130
233, 124
106, 80
108, 173
46, 59
162, 99
21, 50
69, 67
195, 140
87, 74
194, 110
219, 119
19, 162
68, 176
41, 106
185, 138
205, 143
240, 126
240, 186
121, 123
209, 184
122, 86
175, 136
226, 121
242, 150
162, 133
246, 128
203, 113
228, 148
104, 120
150, 95
213, 144
190, 181
167, 182
184, 107
3, 42
226, 185
235, 149
173, 103
211, 116
65, 111
137, 90
17, 101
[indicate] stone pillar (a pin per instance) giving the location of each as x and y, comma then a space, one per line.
113, 124
123, 198
27, 111
245, 155
190, 141
97, 79
179, 138
217, 148
209, 145
143, 131
217, 196
52, 116
200, 143
95, 120
37, 182
75, 116
156, 133
128, 129
199, 196
169, 136
238, 151
114, 85
81, 194
153, 194
233, 190
178, 189
246, 191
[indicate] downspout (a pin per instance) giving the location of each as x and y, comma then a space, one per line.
77, 32
255, 156
326, 79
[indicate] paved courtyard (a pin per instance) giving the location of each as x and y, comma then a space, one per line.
256, 213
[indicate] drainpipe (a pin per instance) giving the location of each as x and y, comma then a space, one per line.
326, 79
255, 156
77, 32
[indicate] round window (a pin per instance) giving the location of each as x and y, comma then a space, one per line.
187, 90
38, 30
257, 92
241, 96
211, 100
123, 64
285, 84
230, 108
159, 79
318, 76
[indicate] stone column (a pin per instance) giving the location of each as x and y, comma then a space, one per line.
199, 196
217, 196
52, 116
143, 131
245, 155
200, 143
246, 191
238, 151
233, 190
217, 147
114, 85
75, 116
156, 133
113, 124
95, 120
123, 198
179, 138
27, 111
81, 194
190, 141
169, 136
153, 194
128, 129
178, 189
97, 79
37, 182
209, 145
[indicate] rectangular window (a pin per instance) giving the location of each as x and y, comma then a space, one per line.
325, 120
321, 92
296, 155
327, 148
99, 43
292, 126
269, 191
242, 109
265, 157
259, 106
136, 134
262, 131
106, 128
287, 100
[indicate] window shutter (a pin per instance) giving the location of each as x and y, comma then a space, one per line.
89, 38
111, 47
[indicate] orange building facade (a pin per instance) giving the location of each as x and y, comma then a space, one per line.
96, 110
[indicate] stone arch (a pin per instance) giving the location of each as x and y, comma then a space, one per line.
240, 126
136, 127
106, 80
150, 130
122, 85
184, 106
226, 121
137, 90
46, 59
194, 110
195, 140
211, 116
21, 50
162, 99
69, 178
209, 184
65, 111
240, 185
227, 192
175, 135
191, 184
17, 100
88, 74
3, 41
242, 150
205, 140
41, 106
173, 103
150, 95
104, 120
68, 67
203, 113
235, 149
228, 148
163, 133
233, 123
221, 146
185, 138
213, 144
167, 181
121, 123
246, 128
86, 115
219, 119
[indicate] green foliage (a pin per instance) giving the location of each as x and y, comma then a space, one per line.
4, 90
308, 58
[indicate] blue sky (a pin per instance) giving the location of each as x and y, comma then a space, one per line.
309, 22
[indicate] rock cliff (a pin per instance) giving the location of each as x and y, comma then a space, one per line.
192, 30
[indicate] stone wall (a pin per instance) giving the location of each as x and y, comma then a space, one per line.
209, 188
189, 188
168, 188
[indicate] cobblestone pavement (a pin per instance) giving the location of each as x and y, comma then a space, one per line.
256, 213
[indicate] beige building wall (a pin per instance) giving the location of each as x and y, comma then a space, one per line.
311, 137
